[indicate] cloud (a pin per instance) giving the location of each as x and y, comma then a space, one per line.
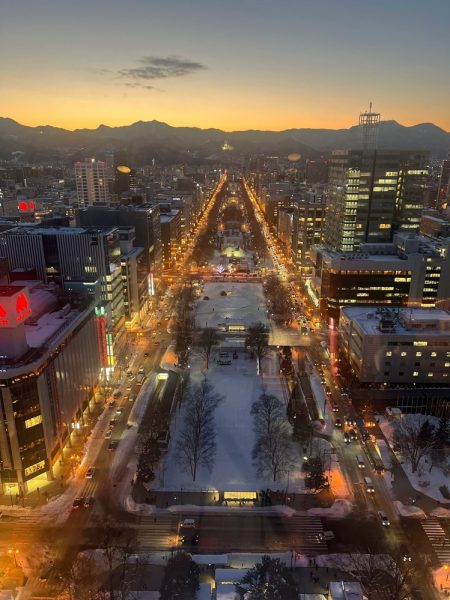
154, 67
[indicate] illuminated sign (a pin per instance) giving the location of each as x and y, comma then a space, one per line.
26, 206
14, 307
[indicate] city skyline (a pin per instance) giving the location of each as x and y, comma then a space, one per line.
235, 67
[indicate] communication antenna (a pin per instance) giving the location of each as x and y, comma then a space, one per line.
368, 126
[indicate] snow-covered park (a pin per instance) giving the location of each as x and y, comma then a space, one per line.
243, 303
233, 468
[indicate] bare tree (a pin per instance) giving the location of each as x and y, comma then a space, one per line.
183, 338
267, 412
414, 436
207, 340
196, 445
274, 452
381, 576
257, 341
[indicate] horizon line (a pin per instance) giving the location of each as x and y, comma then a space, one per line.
208, 128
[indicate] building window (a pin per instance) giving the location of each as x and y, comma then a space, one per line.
430, 373
415, 373
389, 353
386, 372
403, 354
33, 421
434, 354
418, 353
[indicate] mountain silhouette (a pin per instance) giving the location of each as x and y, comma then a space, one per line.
147, 139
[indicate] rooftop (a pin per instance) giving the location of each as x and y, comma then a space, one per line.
406, 321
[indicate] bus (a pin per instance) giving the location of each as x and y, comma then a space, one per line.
375, 456
362, 429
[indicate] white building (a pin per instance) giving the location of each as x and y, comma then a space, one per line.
91, 182
395, 346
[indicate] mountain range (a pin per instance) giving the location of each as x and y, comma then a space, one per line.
145, 140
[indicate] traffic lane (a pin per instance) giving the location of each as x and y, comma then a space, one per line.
245, 533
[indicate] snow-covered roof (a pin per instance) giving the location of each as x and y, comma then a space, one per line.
407, 321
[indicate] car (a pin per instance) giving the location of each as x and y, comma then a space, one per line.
108, 434
346, 437
190, 540
112, 404
369, 485
112, 423
335, 407
119, 411
141, 371
117, 394
77, 503
353, 435
146, 354
349, 420
129, 373
404, 553
131, 398
113, 445
326, 536
188, 523
90, 473
338, 423
88, 502
383, 518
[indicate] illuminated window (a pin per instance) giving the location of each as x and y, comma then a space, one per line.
418, 343
389, 353
415, 374
430, 374
384, 226
434, 354
33, 422
418, 353
403, 354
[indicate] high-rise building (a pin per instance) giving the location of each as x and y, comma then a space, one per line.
60, 254
144, 219
50, 366
443, 192
91, 182
373, 194
412, 271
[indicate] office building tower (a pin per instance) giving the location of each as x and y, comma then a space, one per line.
443, 192
63, 254
373, 194
50, 367
91, 183
412, 271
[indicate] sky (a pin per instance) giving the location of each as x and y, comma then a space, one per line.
228, 64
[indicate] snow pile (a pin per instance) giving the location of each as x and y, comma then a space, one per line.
340, 509
409, 510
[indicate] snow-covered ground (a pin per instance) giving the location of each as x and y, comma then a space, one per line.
423, 480
240, 386
243, 304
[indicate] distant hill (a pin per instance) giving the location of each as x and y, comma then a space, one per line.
147, 139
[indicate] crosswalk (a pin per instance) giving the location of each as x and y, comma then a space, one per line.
438, 539
157, 533
307, 532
